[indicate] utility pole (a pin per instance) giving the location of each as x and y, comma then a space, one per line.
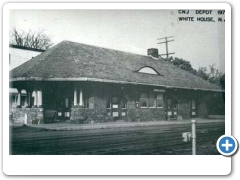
193, 137
166, 42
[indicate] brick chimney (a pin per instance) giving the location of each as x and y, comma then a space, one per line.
153, 52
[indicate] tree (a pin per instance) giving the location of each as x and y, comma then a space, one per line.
215, 76
212, 75
181, 63
31, 39
222, 81
202, 72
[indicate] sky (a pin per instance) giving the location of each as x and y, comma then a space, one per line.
201, 43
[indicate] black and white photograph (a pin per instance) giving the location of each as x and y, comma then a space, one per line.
116, 81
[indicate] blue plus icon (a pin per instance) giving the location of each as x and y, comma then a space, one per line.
227, 145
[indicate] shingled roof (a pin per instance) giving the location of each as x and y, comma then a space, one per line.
72, 61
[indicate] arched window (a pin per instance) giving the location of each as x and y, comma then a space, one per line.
148, 70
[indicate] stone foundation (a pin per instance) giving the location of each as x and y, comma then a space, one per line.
81, 115
101, 114
154, 114
144, 114
86, 115
34, 115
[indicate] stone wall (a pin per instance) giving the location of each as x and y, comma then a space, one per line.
96, 112
144, 114
34, 115
86, 115
148, 114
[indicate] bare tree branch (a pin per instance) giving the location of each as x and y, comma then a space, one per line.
36, 39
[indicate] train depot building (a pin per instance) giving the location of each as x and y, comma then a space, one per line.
87, 84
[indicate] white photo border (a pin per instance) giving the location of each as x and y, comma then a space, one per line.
114, 165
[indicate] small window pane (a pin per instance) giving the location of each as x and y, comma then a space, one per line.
152, 99
115, 114
159, 100
143, 100
115, 106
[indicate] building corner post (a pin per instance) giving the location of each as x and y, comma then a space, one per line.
19, 98
75, 97
39, 98
81, 98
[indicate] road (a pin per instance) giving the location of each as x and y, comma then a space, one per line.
149, 140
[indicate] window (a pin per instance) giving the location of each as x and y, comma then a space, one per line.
152, 100
148, 70
159, 100
143, 100
123, 114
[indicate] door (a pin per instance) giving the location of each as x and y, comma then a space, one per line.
63, 109
119, 110
172, 108
115, 108
193, 108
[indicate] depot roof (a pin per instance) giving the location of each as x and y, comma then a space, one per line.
71, 61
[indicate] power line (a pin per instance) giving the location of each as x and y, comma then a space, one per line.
166, 42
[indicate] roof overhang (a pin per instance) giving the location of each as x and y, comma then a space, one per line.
84, 79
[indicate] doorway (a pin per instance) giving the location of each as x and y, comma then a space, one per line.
172, 109
193, 108
119, 110
63, 108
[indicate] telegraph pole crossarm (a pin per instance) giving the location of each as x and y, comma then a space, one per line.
165, 37
166, 42
166, 54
